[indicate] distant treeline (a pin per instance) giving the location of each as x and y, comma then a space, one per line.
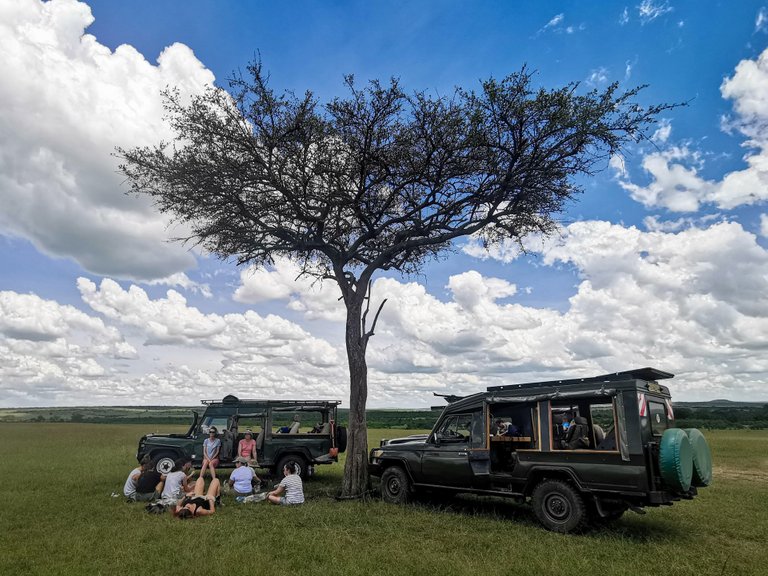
720, 418
753, 416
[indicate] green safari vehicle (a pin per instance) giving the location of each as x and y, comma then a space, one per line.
579, 451
304, 432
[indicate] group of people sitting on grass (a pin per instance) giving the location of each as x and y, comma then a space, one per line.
186, 500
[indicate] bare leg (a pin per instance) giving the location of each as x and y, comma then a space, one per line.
214, 489
213, 472
199, 486
202, 469
273, 498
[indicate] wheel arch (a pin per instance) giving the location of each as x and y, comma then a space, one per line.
400, 462
541, 473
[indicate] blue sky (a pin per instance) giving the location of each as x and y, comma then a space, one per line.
661, 262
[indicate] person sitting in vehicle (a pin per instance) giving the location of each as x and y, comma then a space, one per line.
511, 429
246, 448
290, 490
211, 449
197, 504
242, 478
150, 484
499, 427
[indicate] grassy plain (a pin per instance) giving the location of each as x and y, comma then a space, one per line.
57, 517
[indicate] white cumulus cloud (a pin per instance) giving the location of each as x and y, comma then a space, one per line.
675, 182
66, 102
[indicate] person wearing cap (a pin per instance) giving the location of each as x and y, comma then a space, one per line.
247, 448
211, 449
242, 478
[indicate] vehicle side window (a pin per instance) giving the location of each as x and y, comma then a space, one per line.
456, 428
219, 421
584, 424
657, 412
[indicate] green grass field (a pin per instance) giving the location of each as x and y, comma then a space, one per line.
57, 517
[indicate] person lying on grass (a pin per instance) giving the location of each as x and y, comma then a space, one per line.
290, 490
197, 504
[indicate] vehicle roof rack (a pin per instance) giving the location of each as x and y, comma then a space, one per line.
638, 374
272, 402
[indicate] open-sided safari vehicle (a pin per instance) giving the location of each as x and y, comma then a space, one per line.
300, 431
579, 450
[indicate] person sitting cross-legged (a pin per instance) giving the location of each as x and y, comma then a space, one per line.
290, 490
242, 478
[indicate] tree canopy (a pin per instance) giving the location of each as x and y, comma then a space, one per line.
379, 179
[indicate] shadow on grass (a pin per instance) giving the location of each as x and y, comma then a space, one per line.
634, 527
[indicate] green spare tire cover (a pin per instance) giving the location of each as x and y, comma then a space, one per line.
676, 460
702, 458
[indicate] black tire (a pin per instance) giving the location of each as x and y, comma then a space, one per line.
164, 461
559, 507
341, 438
395, 486
299, 462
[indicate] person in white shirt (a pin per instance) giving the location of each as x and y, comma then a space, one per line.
176, 482
242, 477
290, 490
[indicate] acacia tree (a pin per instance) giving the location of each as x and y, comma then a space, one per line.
377, 180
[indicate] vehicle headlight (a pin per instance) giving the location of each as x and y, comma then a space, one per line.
377, 453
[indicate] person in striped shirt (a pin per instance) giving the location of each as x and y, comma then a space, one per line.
290, 490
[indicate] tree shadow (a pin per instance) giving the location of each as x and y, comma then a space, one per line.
631, 526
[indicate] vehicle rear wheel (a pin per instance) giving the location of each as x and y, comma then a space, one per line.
164, 462
558, 506
395, 485
299, 462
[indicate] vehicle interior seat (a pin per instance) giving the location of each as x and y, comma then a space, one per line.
609, 441
577, 435
260, 441
557, 430
325, 428
227, 441
295, 426
598, 435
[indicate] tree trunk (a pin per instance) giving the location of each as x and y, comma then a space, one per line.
355, 482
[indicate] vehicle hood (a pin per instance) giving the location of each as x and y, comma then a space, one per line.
410, 440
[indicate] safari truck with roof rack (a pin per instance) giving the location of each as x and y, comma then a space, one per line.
580, 451
304, 432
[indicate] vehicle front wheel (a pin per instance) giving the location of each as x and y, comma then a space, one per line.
558, 506
164, 462
395, 485
300, 465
